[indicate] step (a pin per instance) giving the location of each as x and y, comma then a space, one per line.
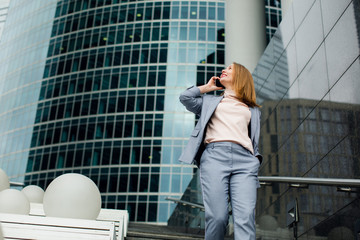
143, 231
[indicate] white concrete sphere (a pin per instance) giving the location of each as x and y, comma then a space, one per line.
1, 234
4, 180
72, 195
14, 201
35, 194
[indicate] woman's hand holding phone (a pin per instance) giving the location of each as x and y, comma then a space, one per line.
218, 83
211, 85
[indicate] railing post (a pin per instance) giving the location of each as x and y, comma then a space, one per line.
357, 229
292, 217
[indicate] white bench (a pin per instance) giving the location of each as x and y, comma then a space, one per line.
119, 217
16, 226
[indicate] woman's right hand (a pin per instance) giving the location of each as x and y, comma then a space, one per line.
210, 86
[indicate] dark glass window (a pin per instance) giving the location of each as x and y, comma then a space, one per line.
202, 13
122, 16
130, 15
85, 107
123, 80
152, 79
155, 34
154, 183
123, 182
137, 34
106, 17
211, 13
193, 12
120, 36
98, 17
108, 59
117, 57
166, 13
118, 129
126, 58
90, 21
185, 12
148, 129
148, 13
144, 56
146, 36
130, 104
114, 81
157, 12
135, 57
138, 128
142, 79
139, 13
105, 82
221, 13
140, 103
159, 103
165, 33
154, 56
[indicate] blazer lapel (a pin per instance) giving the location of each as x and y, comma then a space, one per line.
211, 106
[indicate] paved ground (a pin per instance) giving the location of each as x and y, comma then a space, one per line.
143, 231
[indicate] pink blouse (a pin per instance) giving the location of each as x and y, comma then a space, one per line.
229, 123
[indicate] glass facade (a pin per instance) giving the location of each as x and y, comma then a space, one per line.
23, 49
307, 82
4, 7
273, 16
106, 102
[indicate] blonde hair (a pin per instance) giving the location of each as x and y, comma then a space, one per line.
243, 85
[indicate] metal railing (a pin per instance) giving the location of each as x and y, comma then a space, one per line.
186, 203
344, 185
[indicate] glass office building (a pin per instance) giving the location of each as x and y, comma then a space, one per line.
273, 16
307, 82
4, 7
92, 87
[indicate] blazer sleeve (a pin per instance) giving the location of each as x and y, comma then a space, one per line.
256, 137
192, 100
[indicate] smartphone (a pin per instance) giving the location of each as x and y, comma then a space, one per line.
218, 83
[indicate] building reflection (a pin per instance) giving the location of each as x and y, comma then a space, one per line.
305, 138
310, 123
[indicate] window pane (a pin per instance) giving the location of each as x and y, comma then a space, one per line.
193, 12
211, 13
184, 12
202, 13
175, 13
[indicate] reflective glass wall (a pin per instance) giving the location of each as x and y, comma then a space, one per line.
23, 48
273, 15
106, 102
4, 7
307, 83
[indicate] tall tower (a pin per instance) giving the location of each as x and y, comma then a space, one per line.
245, 32
106, 102
4, 7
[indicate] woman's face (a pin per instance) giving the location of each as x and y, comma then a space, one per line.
226, 78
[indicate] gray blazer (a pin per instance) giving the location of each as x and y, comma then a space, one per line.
204, 106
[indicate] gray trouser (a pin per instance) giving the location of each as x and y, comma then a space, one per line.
228, 169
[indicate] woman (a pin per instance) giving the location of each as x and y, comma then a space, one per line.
224, 145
